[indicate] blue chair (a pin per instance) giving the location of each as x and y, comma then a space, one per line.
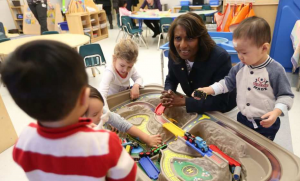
2, 31
93, 56
4, 40
50, 32
120, 27
185, 8
89, 35
165, 24
133, 33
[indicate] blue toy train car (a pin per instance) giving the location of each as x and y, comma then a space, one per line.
197, 141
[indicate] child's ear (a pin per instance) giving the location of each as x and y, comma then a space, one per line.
266, 47
114, 58
85, 96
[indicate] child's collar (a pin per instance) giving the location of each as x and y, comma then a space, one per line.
123, 77
263, 65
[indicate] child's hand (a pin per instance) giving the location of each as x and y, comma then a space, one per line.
92, 125
133, 12
270, 118
153, 140
135, 91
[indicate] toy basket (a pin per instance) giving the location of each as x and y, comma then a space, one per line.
63, 26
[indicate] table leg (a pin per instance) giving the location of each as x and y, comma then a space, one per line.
140, 23
298, 84
162, 67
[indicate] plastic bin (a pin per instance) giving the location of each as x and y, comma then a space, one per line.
214, 2
227, 45
64, 26
185, 3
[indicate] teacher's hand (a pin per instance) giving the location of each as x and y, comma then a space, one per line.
170, 99
166, 98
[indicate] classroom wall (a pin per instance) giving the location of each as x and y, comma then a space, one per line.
5, 15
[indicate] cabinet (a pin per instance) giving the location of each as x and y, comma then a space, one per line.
32, 27
16, 7
93, 23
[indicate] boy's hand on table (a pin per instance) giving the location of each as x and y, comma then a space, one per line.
270, 118
153, 140
135, 91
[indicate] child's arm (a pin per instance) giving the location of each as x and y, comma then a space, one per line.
225, 85
124, 126
119, 122
138, 83
150, 140
282, 92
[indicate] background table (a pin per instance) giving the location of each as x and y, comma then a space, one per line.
140, 16
73, 40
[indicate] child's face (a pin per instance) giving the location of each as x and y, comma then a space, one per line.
95, 110
249, 53
122, 66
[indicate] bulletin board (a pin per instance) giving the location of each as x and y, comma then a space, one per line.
32, 27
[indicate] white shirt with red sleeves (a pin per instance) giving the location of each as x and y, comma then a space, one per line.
72, 153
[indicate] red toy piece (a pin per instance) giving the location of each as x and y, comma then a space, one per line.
160, 109
232, 162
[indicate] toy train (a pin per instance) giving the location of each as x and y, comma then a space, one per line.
200, 94
197, 141
154, 151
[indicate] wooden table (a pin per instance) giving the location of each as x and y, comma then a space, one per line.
193, 8
140, 16
73, 40
8, 134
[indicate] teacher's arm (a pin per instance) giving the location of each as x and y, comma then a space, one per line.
171, 82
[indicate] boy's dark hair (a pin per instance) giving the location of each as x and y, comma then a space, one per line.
195, 28
45, 79
122, 3
255, 29
94, 93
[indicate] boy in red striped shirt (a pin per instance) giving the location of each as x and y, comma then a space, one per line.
48, 81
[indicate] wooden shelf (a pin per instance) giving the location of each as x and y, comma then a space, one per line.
76, 26
14, 10
16, 7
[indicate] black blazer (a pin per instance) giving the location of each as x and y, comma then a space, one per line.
203, 74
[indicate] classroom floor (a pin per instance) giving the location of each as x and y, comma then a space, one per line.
149, 66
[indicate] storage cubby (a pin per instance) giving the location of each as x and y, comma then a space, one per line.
80, 23
15, 7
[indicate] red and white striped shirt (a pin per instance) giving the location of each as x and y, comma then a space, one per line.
72, 153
